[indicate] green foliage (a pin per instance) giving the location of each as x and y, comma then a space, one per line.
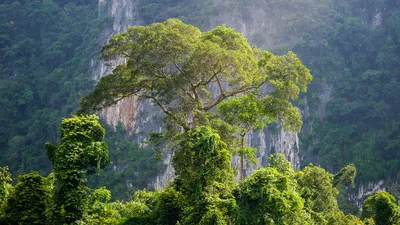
170, 206
360, 62
319, 194
29, 201
205, 177
203, 192
79, 152
44, 72
173, 63
99, 210
382, 208
245, 111
346, 174
5, 189
248, 113
131, 167
270, 196
142, 209
45, 52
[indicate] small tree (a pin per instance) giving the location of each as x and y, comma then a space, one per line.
382, 208
245, 113
270, 196
319, 190
347, 175
248, 113
319, 194
79, 152
27, 204
205, 177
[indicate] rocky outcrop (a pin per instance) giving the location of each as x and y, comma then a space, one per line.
123, 14
138, 116
262, 25
325, 95
124, 112
269, 141
363, 191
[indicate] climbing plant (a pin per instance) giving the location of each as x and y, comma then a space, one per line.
81, 151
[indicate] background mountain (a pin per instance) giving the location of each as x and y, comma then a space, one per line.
49, 59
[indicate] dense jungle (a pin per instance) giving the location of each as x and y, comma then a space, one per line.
240, 112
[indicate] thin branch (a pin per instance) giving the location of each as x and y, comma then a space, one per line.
112, 103
189, 94
162, 72
202, 82
194, 91
165, 110
220, 85
179, 69
222, 97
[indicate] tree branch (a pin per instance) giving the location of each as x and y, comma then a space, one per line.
220, 85
115, 101
223, 96
165, 110
189, 94
194, 91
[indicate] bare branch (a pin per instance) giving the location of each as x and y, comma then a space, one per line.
112, 103
192, 96
166, 111
220, 85
194, 91
224, 96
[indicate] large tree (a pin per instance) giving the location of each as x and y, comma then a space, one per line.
187, 73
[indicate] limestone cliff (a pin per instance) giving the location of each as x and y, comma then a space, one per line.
358, 195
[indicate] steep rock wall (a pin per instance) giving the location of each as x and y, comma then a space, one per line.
358, 195
123, 14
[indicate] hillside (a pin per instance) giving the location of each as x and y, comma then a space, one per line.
49, 60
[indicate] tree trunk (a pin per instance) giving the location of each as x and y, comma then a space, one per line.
242, 175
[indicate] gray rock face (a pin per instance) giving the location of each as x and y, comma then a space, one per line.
358, 196
377, 21
324, 97
264, 25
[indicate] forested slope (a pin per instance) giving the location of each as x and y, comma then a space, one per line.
45, 48
351, 47
357, 56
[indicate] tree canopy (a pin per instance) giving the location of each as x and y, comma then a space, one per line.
382, 208
28, 201
187, 73
204, 191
